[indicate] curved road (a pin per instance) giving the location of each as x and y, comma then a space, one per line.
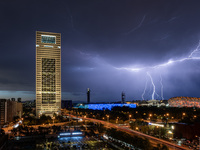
152, 139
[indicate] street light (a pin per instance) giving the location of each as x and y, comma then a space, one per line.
129, 118
183, 115
53, 119
117, 120
108, 118
84, 118
150, 116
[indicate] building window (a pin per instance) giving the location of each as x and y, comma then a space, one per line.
48, 81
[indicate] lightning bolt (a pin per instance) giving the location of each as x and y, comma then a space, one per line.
194, 55
170, 62
157, 95
144, 89
161, 87
195, 51
154, 88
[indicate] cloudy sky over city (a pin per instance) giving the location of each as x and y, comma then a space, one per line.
145, 48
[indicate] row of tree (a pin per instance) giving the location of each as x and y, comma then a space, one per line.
32, 120
164, 114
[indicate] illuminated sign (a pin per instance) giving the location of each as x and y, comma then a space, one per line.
48, 39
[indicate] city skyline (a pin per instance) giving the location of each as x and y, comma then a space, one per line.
131, 46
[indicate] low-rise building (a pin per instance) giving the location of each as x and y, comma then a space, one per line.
149, 103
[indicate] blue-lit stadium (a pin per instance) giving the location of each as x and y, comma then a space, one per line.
103, 106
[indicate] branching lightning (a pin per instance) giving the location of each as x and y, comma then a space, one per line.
195, 51
194, 55
170, 62
157, 94
154, 88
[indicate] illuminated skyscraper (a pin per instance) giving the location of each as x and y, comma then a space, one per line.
48, 73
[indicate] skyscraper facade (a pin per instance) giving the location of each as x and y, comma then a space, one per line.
48, 73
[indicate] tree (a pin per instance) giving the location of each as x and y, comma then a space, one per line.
91, 132
163, 132
164, 147
2, 132
147, 144
100, 128
161, 147
31, 129
59, 118
45, 119
16, 118
158, 147
133, 140
14, 131
156, 131
20, 128
40, 129
54, 129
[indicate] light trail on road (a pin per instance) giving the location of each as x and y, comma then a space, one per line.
152, 139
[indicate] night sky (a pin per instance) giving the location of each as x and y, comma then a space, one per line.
108, 46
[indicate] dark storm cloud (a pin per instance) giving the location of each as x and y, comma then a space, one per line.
97, 38
159, 26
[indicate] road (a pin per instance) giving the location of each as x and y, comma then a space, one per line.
9, 128
153, 140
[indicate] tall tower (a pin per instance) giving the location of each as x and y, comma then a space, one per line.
123, 98
88, 95
48, 73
